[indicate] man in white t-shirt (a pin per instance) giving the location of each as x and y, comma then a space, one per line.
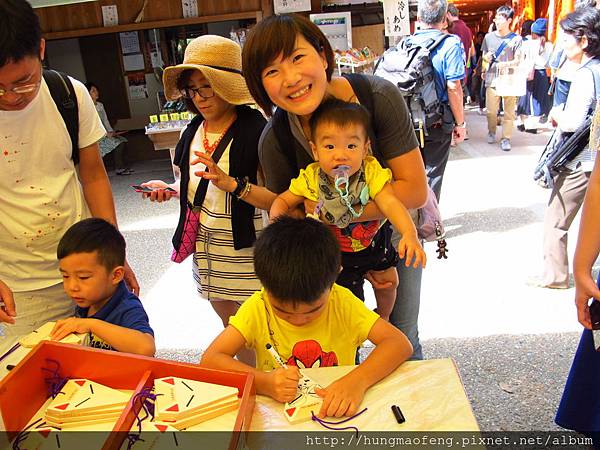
43, 193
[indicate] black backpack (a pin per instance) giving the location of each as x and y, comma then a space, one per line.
408, 65
63, 94
563, 148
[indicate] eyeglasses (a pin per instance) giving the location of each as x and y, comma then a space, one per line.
20, 90
204, 92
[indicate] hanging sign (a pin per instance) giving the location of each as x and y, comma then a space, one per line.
395, 17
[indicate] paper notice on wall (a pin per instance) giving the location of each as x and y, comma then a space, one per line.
137, 85
133, 62
190, 8
337, 27
288, 6
130, 42
396, 17
110, 16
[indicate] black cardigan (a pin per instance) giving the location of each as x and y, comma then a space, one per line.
243, 162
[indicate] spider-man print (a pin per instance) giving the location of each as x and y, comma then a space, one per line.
309, 354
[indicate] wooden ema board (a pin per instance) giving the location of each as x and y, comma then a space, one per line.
179, 398
43, 334
113, 369
306, 402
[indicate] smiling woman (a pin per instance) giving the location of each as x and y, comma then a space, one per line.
288, 63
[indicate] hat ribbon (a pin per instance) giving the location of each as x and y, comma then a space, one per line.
226, 69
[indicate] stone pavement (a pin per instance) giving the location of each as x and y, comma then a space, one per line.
513, 343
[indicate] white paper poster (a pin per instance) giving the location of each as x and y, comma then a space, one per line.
395, 17
110, 16
190, 8
133, 62
337, 26
288, 6
130, 42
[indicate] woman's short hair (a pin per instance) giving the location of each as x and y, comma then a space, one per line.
272, 37
584, 22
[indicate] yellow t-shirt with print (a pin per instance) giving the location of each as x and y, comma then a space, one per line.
329, 340
306, 184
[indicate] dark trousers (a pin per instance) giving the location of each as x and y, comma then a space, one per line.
435, 156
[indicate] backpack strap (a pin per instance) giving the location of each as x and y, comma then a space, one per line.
505, 41
63, 94
287, 142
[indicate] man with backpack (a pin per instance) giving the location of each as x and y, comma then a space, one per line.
501, 50
47, 126
428, 68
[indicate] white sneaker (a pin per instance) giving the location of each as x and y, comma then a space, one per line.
491, 138
505, 144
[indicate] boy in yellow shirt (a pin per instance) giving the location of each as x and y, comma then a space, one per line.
307, 319
342, 180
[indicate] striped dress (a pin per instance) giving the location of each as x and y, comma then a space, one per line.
220, 271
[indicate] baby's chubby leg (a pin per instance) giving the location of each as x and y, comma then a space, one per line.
384, 284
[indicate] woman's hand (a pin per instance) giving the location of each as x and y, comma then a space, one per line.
585, 289
213, 172
160, 194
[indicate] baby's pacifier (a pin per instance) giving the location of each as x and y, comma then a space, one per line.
341, 177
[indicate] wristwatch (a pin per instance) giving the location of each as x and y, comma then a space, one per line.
461, 125
241, 184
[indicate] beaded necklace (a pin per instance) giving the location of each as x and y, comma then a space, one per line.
208, 148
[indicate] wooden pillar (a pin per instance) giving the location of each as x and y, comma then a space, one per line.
556, 11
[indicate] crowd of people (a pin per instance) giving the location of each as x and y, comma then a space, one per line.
334, 161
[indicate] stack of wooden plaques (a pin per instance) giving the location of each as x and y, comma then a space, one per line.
43, 334
182, 403
82, 402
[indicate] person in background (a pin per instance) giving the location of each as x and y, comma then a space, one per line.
501, 50
476, 89
526, 29
211, 83
581, 44
578, 409
91, 255
44, 191
288, 63
536, 102
113, 141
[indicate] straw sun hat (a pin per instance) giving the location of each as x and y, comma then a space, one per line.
220, 61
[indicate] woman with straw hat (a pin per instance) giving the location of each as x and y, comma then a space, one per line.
219, 145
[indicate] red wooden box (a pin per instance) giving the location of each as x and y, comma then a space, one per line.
23, 391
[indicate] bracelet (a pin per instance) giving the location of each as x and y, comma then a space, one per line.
245, 192
241, 185
461, 125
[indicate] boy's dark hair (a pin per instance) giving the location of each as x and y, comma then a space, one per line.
182, 82
505, 11
20, 31
271, 37
584, 22
526, 28
94, 235
297, 260
340, 113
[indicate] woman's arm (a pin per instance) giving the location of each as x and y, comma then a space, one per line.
588, 247
410, 184
284, 203
258, 196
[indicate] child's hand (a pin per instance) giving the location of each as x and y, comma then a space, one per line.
283, 383
341, 398
409, 248
68, 326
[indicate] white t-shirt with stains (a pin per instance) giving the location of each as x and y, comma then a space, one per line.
41, 193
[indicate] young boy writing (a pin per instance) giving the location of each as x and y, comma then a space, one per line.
307, 319
91, 257
342, 180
